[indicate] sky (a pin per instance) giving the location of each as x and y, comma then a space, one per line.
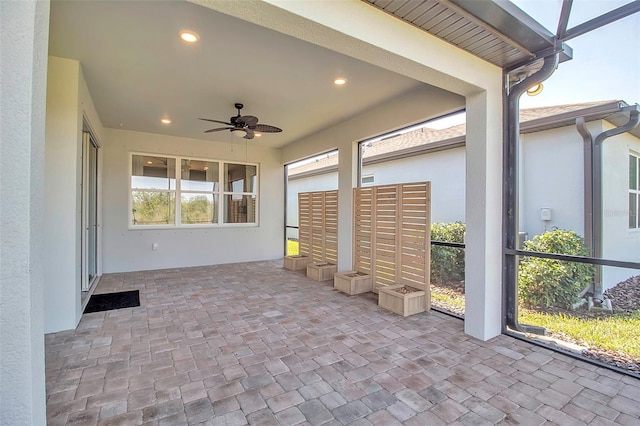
606, 61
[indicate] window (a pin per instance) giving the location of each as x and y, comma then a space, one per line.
170, 191
634, 191
199, 187
368, 179
153, 190
240, 199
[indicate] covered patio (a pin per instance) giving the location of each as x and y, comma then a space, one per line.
255, 343
226, 335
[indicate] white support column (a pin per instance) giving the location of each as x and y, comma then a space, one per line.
25, 27
347, 171
483, 254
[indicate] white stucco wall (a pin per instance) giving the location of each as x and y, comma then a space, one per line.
551, 176
619, 242
23, 67
444, 169
68, 100
127, 249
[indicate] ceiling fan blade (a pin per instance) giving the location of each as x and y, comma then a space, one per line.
218, 129
265, 128
247, 120
250, 134
216, 121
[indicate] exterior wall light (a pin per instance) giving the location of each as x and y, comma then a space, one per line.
535, 89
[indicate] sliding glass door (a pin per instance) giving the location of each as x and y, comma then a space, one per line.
89, 234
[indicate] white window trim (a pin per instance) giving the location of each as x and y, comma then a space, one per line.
635, 191
220, 193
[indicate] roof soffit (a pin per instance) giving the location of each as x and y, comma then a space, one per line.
495, 30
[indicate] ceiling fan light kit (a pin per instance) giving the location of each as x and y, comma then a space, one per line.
239, 133
243, 126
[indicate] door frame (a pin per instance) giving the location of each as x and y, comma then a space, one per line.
90, 141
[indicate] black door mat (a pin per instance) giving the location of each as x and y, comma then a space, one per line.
109, 301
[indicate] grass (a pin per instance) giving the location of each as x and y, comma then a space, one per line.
292, 248
447, 299
620, 333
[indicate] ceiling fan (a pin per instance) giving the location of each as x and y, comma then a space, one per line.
244, 126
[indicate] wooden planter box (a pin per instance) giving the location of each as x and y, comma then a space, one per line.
295, 262
403, 304
321, 271
352, 282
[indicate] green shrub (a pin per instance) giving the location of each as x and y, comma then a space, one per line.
549, 282
447, 263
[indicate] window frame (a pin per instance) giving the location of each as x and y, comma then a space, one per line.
635, 192
218, 193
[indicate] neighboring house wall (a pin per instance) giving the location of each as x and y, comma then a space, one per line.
323, 182
619, 242
68, 100
551, 176
552, 166
444, 169
127, 249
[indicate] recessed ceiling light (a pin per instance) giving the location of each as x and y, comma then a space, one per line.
257, 135
166, 121
340, 81
189, 36
149, 162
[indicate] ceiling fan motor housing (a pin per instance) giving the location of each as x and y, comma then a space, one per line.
234, 119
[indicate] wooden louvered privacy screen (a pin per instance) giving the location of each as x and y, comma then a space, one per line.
318, 226
392, 234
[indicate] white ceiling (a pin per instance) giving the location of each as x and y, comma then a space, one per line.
138, 71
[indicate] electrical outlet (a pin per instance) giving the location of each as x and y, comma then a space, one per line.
154, 246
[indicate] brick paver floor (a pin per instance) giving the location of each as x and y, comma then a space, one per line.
253, 343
